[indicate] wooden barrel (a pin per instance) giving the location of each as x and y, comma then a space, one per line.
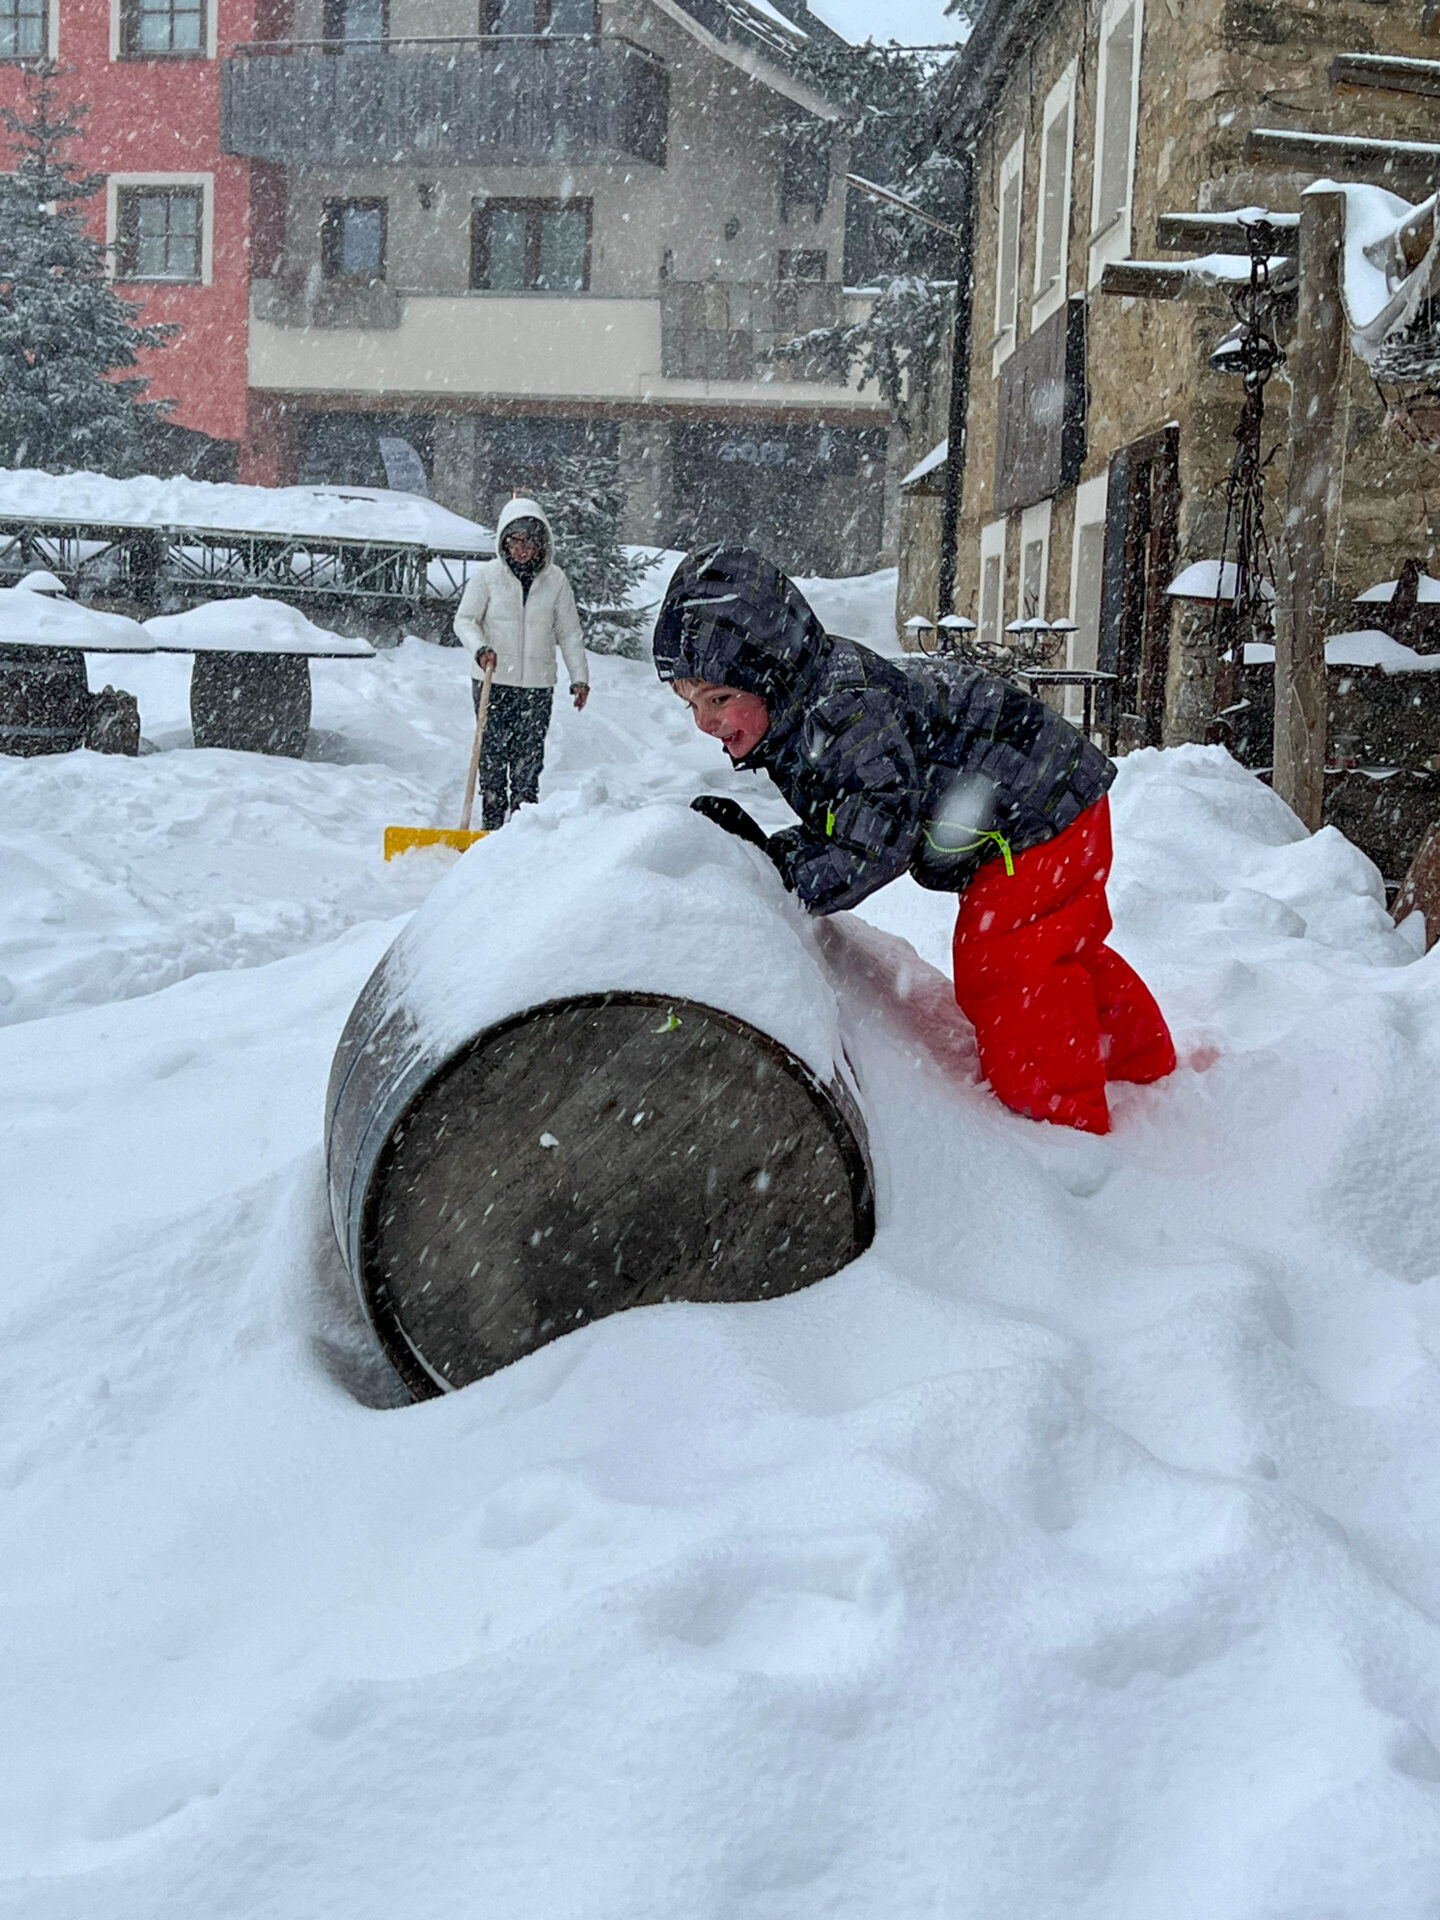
251, 702
590, 1154
44, 700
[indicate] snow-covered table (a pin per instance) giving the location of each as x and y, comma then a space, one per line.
250, 686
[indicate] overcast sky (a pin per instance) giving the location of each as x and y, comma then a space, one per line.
912, 22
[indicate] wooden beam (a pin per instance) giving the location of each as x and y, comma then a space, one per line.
1145, 280
1380, 72
1216, 232
1318, 362
1341, 155
1164, 280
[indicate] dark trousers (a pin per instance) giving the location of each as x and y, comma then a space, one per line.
514, 750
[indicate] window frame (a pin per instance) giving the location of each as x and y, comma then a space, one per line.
1036, 524
331, 231
1048, 297
1111, 234
124, 28
331, 17
200, 185
49, 14
1082, 648
534, 208
1007, 330
992, 548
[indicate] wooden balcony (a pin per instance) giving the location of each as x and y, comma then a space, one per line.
512, 101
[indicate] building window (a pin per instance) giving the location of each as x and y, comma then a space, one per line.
22, 29
802, 263
539, 16
153, 29
1007, 252
1118, 95
530, 246
350, 21
160, 233
352, 240
992, 582
1034, 579
1052, 245
805, 163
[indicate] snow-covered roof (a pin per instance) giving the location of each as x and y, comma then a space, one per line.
250, 625
1211, 580
342, 513
932, 463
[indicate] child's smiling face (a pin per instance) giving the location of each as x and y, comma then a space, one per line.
738, 720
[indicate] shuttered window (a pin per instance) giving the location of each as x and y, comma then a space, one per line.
1007, 251
1052, 245
1120, 42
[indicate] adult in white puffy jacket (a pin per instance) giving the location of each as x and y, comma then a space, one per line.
515, 612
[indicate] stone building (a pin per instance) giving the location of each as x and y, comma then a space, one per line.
580, 232
1095, 425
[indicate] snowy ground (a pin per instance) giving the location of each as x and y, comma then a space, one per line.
1075, 1553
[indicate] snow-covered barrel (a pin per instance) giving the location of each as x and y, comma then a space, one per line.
599, 1069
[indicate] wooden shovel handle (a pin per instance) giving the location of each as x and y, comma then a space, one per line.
481, 714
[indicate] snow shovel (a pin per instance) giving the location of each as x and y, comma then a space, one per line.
402, 839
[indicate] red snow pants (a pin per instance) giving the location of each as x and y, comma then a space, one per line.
1056, 1013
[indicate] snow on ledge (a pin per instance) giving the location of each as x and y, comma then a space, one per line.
932, 462
1211, 580
1366, 647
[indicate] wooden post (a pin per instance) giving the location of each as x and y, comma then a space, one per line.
1319, 363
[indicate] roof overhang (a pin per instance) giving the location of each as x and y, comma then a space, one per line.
985, 64
765, 73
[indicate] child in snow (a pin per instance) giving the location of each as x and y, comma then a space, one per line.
944, 772
515, 611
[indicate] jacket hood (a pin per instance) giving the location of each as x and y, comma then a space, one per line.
523, 509
730, 616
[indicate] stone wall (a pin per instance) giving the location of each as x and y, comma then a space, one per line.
1210, 71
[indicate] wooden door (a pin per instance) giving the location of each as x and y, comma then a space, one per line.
1141, 534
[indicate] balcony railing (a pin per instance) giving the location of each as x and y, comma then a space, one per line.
504, 100
728, 330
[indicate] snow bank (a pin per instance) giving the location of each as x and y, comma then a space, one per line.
352, 513
1073, 1555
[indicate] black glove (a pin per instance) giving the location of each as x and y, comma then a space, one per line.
730, 815
787, 849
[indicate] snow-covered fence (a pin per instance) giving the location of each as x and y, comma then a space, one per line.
599, 1070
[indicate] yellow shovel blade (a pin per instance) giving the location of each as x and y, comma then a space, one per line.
403, 839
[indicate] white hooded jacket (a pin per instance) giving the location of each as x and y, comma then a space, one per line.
495, 612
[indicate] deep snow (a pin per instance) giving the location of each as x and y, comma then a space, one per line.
1074, 1553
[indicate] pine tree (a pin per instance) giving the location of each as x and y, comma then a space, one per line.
586, 507
890, 95
64, 331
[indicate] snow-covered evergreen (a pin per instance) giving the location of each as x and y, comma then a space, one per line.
586, 508
67, 338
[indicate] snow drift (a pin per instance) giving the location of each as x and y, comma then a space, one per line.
1073, 1553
